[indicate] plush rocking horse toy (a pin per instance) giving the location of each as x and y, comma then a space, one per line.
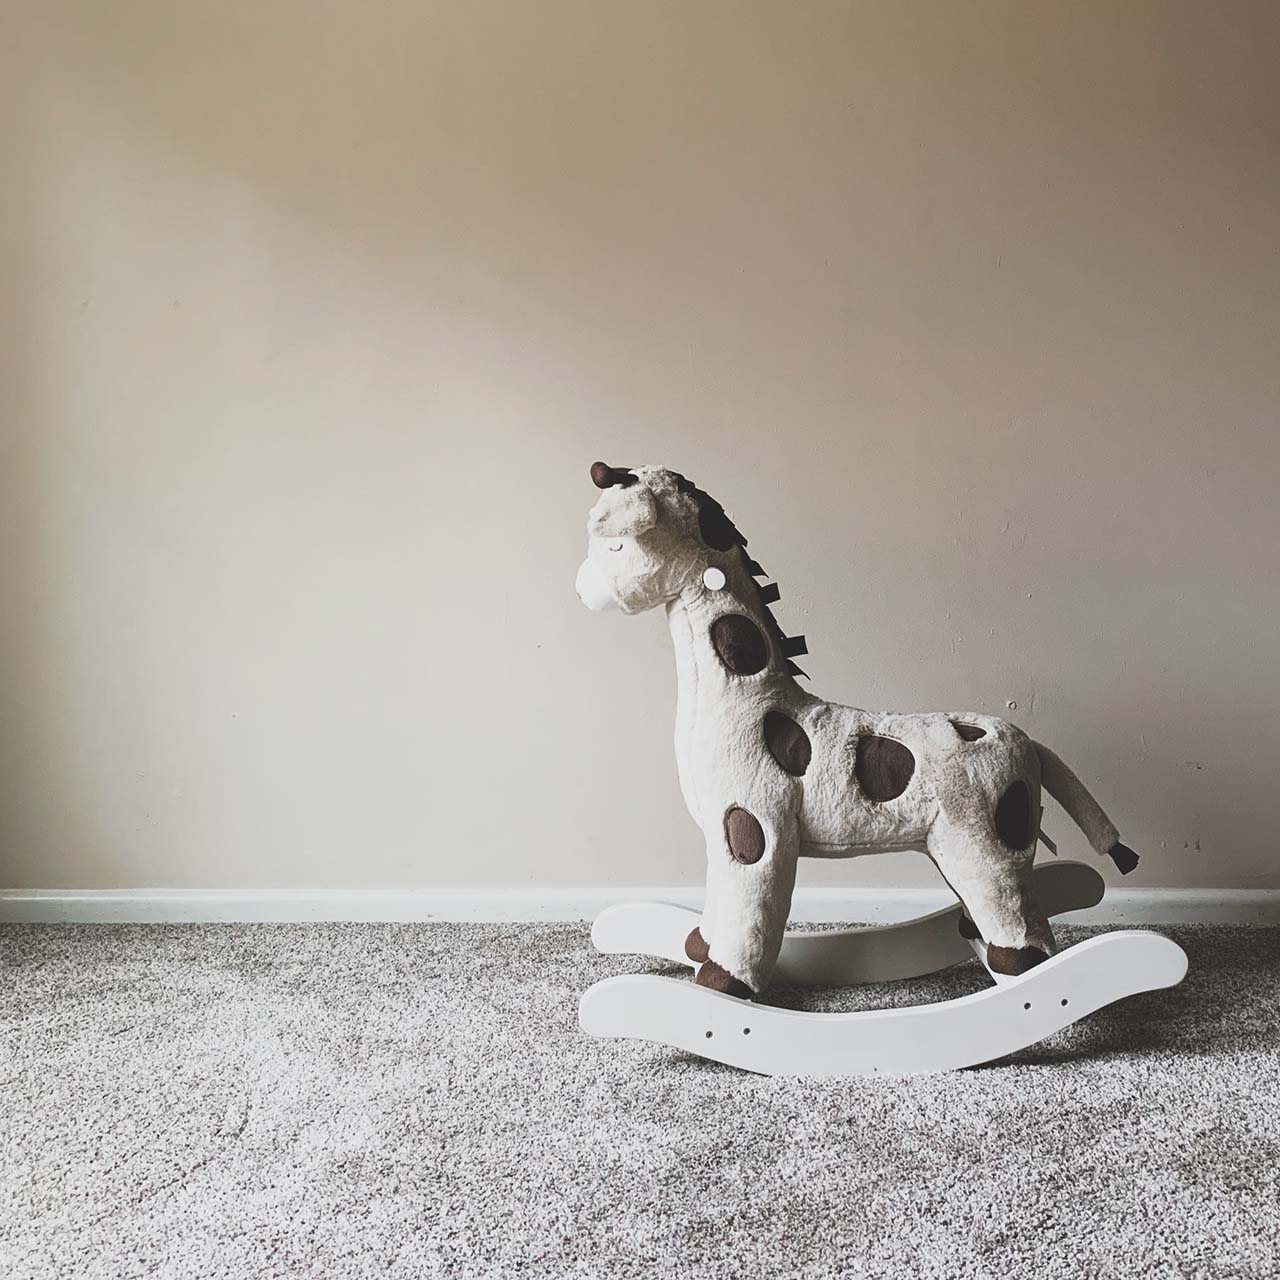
771, 774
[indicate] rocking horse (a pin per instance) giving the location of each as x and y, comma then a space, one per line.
772, 774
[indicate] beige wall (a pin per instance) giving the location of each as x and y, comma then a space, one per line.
315, 314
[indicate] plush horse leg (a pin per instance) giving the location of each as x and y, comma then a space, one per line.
994, 884
746, 910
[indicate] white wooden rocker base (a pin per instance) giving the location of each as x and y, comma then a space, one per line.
1013, 1014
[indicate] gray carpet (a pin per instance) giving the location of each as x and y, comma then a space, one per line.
415, 1100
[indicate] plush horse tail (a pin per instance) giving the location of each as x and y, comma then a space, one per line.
1084, 810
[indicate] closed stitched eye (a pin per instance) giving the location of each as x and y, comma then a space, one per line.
617, 548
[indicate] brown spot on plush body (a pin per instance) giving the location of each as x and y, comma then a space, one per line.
740, 644
1013, 816
1014, 960
745, 836
788, 743
883, 767
718, 979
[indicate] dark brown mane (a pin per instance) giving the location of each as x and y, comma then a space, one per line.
720, 533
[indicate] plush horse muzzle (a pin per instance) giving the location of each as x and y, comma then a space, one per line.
593, 590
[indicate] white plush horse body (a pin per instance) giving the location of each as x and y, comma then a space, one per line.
771, 773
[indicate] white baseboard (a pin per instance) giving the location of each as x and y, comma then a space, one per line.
878, 906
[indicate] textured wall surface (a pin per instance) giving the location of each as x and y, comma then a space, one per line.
315, 315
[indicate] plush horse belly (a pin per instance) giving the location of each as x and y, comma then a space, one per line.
887, 780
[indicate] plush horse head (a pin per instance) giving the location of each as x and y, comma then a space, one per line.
643, 547
655, 538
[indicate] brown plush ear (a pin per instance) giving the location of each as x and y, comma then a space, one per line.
603, 475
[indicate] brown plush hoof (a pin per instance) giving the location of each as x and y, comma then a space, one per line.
695, 947
968, 929
718, 979
1014, 960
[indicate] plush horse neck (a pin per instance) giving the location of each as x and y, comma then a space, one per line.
738, 615
771, 773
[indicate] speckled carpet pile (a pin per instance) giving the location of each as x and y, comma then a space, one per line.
416, 1100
